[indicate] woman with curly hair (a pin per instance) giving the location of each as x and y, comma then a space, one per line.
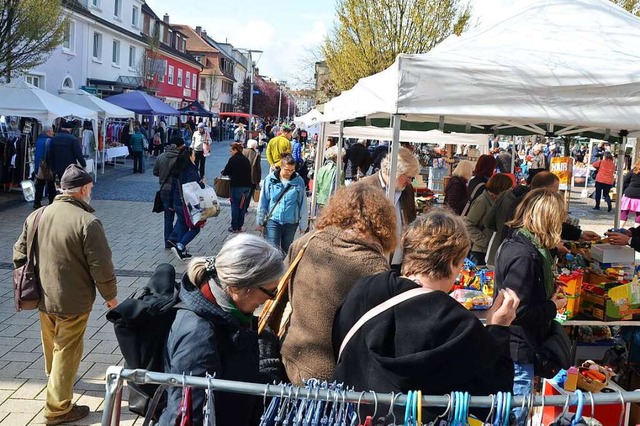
354, 236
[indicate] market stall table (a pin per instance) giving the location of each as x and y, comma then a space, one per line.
115, 152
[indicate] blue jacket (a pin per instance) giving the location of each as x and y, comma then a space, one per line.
137, 141
41, 151
293, 206
206, 339
296, 153
65, 149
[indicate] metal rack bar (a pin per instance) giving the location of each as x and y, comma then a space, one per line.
116, 376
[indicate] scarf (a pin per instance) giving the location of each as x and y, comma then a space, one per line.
547, 261
215, 294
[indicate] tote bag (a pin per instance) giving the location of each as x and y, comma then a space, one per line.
199, 203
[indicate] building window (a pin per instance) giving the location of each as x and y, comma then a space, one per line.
132, 56
36, 80
170, 81
115, 57
117, 8
95, 4
194, 82
97, 46
69, 40
187, 80
134, 17
162, 71
179, 77
203, 83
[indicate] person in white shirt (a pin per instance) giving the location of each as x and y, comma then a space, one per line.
200, 143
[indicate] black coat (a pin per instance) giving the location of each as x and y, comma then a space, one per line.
456, 194
238, 168
65, 149
632, 185
357, 157
378, 155
206, 339
519, 267
429, 342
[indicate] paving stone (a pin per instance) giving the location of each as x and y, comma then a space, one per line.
18, 419
30, 389
13, 405
11, 384
21, 356
13, 368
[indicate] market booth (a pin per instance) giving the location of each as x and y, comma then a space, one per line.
107, 112
32, 107
500, 79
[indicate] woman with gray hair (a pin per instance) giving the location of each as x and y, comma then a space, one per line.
215, 332
407, 169
327, 176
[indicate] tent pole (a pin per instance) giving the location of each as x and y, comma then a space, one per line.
339, 168
104, 143
316, 169
621, 155
395, 145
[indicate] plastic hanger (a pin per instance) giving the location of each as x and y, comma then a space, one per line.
497, 420
578, 416
593, 405
446, 412
491, 410
418, 408
407, 409
467, 401
564, 409
375, 404
358, 408
624, 404
507, 409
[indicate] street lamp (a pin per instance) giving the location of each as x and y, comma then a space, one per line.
250, 51
280, 84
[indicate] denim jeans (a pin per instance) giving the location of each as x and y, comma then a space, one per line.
522, 385
169, 216
281, 235
138, 161
239, 202
181, 233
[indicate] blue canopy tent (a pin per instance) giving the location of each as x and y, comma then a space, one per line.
142, 103
195, 109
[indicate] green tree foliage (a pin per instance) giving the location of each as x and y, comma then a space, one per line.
370, 34
29, 31
632, 6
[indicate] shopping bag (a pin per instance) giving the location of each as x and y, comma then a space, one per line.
222, 187
256, 195
199, 203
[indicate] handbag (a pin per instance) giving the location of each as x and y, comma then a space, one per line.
158, 205
256, 195
27, 290
222, 187
554, 353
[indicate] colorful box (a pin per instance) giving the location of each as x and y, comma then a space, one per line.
619, 303
573, 291
608, 253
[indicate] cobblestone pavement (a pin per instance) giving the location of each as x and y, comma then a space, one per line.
123, 202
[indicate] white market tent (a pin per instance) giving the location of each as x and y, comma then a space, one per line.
104, 109
22, 99
309, 119
435, 137
559, 67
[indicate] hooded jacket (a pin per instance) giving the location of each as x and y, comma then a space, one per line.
206, 339
276, 148
357, 158
292, 208
429, 342
164, 165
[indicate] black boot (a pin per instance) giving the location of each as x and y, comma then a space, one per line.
609, 205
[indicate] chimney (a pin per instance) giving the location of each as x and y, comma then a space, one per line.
198, 30
165, 18
204, 33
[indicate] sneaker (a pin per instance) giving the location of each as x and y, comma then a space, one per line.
77, 412
169, 244
232, 230
181, 254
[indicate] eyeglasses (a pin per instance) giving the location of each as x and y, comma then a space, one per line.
271, 294
407, 177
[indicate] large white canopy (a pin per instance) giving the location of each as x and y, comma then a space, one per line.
22, 99
311, 118
565, 66
431, 136
103, 108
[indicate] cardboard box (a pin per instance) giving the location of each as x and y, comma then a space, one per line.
607, 253
604, 309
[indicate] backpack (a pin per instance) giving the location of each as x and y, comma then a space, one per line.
157, 139
142, 323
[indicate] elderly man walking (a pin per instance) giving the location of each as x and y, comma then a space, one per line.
73, 259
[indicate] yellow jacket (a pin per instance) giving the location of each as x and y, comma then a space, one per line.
276, 148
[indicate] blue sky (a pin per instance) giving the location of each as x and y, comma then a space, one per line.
288, 31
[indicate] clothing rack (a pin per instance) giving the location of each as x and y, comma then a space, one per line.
117, 375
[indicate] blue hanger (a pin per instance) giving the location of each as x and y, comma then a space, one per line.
507, 408
579, 408
465, 416
497, 420
414, 408
407, 408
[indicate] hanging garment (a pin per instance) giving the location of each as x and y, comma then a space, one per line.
184, 418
